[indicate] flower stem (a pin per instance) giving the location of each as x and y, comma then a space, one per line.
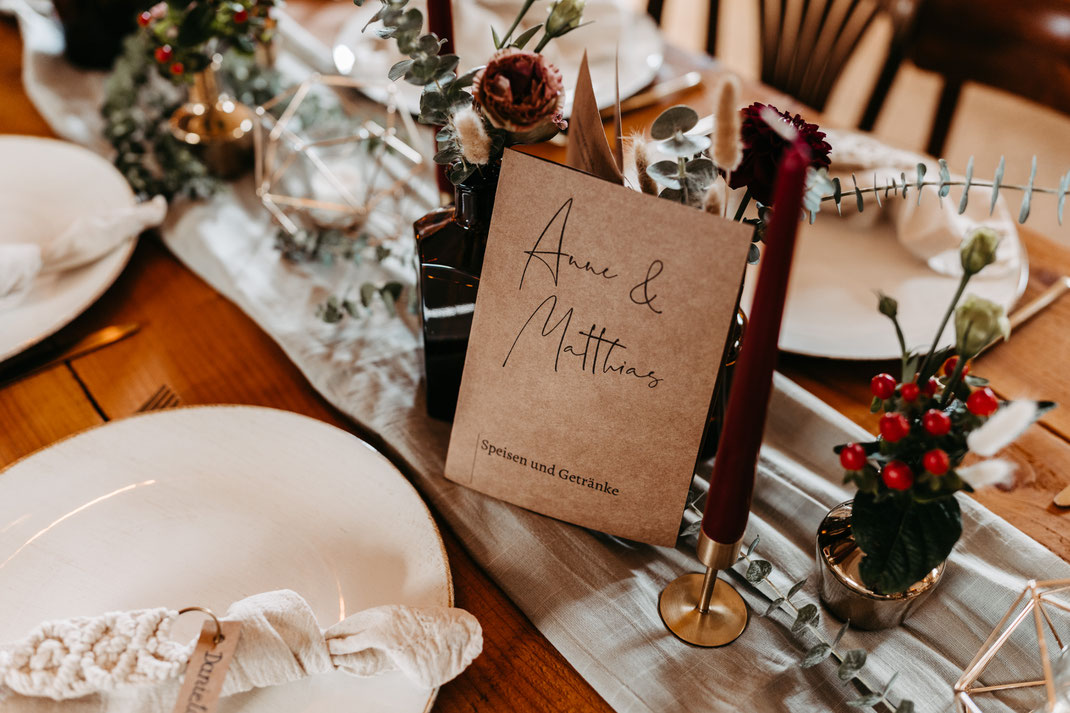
943, 323
520, 16
960, 366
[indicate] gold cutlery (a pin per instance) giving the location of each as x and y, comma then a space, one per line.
163, 398
36, 360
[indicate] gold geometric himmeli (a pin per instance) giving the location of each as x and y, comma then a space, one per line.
1035, 608
293, 158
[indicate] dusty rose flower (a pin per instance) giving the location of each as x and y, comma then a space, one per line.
520, 92
763, 147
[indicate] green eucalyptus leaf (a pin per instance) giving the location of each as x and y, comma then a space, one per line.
447, 63
683, 145
816, 655
700, 172
678, 118
665, 173
447, 156
966, 188
459, 172
398, 70
753, 254
841, 632
757, 571
905, 706
852, 663
367, 292
806, 617
773, 606
903, 539
919, 180
945, 179
795, 588
465, 80
753, 544
997, 181
1023, 214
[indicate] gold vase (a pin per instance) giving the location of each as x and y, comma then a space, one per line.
840, 585
219, 127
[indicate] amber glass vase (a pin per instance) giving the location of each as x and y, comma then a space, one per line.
451, 242
719, 404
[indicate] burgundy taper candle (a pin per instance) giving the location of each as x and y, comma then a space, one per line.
732, 480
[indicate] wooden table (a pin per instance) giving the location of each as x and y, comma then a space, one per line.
209, 352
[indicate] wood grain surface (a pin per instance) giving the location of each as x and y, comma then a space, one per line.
208, 351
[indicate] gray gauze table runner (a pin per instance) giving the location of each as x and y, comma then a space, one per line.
593, 596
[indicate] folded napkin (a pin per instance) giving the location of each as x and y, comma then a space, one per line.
931, 229
84, 241
126, 660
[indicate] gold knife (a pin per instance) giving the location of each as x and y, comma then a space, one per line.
31, 362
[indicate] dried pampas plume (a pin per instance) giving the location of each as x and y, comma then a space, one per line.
727, 147
472, 135
638, 144
714, 199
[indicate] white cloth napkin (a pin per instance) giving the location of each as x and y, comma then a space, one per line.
930, 229
127, 661
86, 240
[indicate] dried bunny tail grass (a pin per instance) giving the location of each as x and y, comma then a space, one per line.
727, 147
714, 203
472, 135
638, 146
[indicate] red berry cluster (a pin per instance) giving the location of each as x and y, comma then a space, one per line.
917, 431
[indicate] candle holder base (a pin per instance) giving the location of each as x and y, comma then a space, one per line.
721, 623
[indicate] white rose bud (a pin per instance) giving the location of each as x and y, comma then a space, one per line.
565, 15
977, 323
979, 250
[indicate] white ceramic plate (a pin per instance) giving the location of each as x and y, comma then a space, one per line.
364, 56
45, 185
205, 506
832, 305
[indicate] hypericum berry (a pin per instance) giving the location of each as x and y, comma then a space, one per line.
910, 392
894, 427
144, 19
177, 68
936, 461
164, 54
882, 386
982, 402
241, 16
951, 362
936, 423
853, 457
932, 386
897, 475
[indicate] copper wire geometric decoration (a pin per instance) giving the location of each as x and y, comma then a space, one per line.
310, 178
1035, 608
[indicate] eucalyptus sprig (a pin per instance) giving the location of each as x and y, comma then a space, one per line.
822, 188
686, 177
805, 621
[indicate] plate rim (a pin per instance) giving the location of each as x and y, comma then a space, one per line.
121, 253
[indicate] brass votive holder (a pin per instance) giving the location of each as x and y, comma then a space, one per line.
701, 609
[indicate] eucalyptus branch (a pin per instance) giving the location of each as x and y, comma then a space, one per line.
805, 619
832, 190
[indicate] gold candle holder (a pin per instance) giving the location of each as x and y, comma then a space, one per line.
218, 126
702, 609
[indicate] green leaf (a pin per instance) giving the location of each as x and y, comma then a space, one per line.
945, 179
773, 606
905, 706
398, 70
447, 63
758, 571
1023, 214
700, 173
902, 539
807, 615
526, 36
683, 145
966, 188
816, 655
875, 404
196, 25
367, 292
752, 545
1064, 185
996, 182
665, 173
795, 588
920, 182
677, 118
494, 36
753, 254
852, 663
841, 632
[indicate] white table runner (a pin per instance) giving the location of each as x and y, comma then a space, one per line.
593, 596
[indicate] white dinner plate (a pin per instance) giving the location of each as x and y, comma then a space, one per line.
205, 506
364, 56
45, 185
839, 265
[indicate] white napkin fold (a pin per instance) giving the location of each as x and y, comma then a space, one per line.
932, 229
126, 661
85, 240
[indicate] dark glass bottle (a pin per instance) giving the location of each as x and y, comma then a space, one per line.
450, 242
719, 404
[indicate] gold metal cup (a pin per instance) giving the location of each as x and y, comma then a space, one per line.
219, 127
701, 609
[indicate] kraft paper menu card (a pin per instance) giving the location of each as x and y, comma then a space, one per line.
598, 329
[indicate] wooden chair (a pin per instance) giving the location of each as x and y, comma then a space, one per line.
1022, 47
655, 7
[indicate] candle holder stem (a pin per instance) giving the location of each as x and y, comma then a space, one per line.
701, 609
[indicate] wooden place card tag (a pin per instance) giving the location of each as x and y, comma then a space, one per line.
207, 668
599, 325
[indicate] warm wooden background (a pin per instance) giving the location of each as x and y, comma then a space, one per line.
208, 351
